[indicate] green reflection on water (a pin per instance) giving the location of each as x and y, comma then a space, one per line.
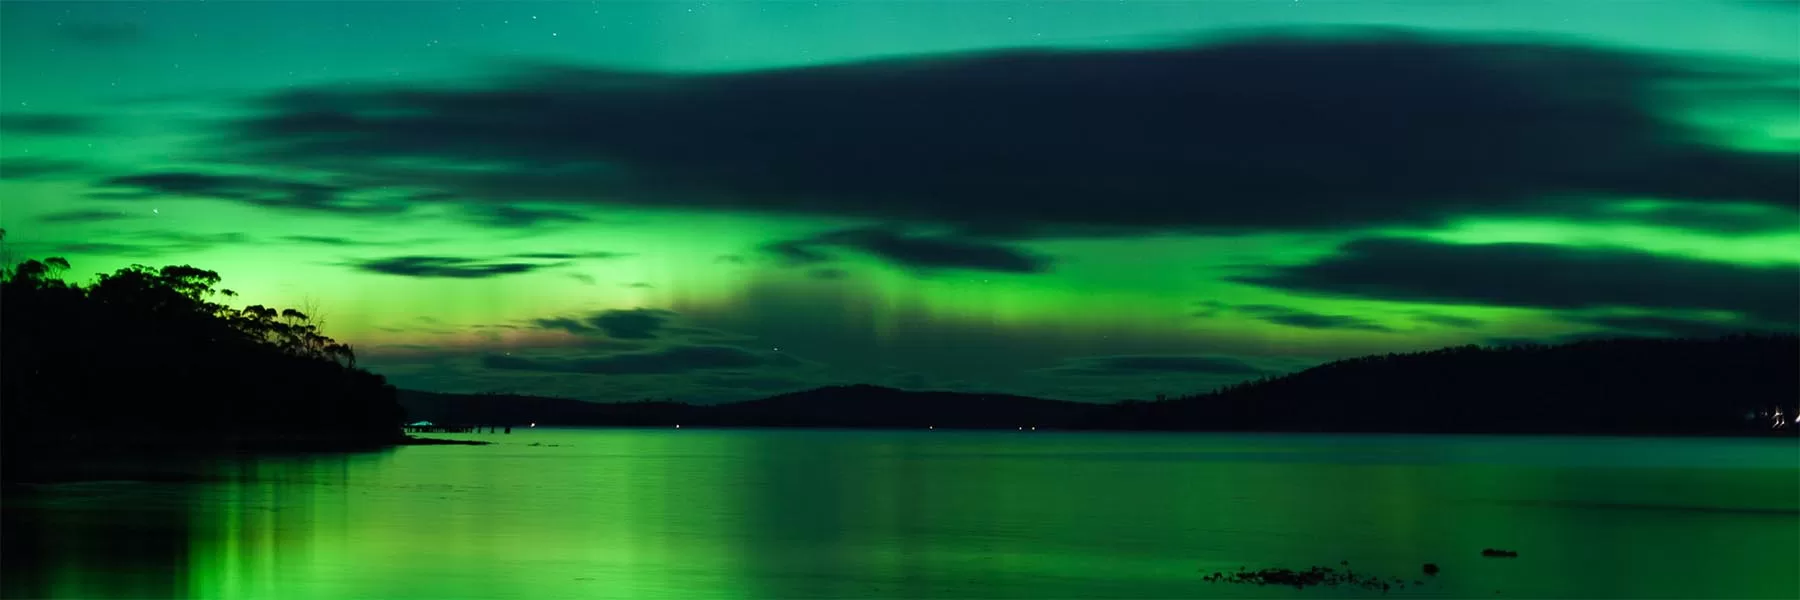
791, 514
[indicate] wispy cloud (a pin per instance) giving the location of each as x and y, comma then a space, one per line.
1118, 366
1289, 316
24, 168
1539, 276
450, 267
517, 216
925, 252
84, 216
150, 244
267, 192
601, 254
47, 124
633, 324
677, 359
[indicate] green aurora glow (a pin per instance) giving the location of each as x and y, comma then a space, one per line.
92, 92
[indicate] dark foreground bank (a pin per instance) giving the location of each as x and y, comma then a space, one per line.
148, 362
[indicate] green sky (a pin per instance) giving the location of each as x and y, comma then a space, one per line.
1084, 199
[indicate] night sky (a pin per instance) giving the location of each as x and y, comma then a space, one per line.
1085, 200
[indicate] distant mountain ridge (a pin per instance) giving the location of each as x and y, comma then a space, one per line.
1730, 385
875, 406
518, 409
1630, 386
832, 406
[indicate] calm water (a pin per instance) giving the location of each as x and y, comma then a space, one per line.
812, 514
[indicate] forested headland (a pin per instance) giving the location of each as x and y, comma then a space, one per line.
150, 360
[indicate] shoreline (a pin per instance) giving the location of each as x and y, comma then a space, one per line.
1790, 432
421, 441
106, 459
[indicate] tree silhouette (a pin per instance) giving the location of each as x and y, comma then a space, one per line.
150, 357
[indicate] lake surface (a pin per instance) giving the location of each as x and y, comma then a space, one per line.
572, 513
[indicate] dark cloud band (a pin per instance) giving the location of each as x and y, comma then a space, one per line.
1295, 132
1541, 276
444, 267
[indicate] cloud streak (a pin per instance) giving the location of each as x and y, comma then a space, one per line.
921, 252
267, 192
1667, 326
601, 255
517, 217
84, 216
151, 244
1540, 276
1280, 132
26, 168
1140, 365
633, 324
1293, 317
677, 359
447, 267
47, 124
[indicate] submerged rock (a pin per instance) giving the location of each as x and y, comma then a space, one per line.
1302, 579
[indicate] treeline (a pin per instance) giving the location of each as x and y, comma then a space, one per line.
1619, 386
146, 358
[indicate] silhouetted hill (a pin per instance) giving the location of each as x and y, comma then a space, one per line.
1626, 386
1622, 386
144, 361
